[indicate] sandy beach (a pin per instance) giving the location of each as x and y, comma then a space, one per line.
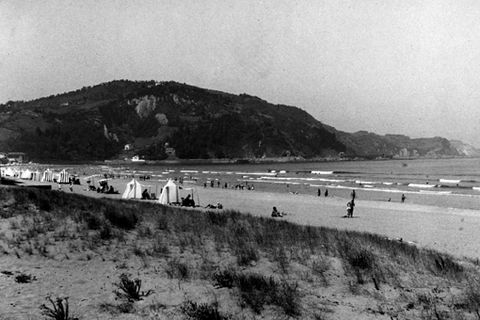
446, 229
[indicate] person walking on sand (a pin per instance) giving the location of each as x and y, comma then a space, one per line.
403, 197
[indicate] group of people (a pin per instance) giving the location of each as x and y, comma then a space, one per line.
319, 192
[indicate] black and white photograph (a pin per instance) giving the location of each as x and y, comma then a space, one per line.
239, 160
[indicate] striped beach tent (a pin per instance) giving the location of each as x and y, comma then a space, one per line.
133, 190
47, 176
63, 177
36, 176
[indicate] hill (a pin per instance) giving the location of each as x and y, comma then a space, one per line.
194, 264
95, 123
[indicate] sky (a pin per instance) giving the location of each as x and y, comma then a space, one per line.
401, 67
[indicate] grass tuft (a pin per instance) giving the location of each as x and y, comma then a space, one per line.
129, 289
59, 309
203, 311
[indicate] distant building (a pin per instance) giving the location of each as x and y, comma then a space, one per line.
404, 153
169, 151
18, 157
137, 159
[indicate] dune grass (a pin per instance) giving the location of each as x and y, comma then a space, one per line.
226, 247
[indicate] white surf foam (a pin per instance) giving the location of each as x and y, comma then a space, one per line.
449, 181
321, 172
420, 185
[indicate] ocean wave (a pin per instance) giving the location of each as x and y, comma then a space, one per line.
449, 181
268, 181
365, 182
255, 173
420, 185
189, 171
302, 179
321, 172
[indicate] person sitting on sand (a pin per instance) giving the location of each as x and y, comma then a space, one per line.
350, 209
145, 195
276, 213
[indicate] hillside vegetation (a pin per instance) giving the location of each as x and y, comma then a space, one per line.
132, 260
94, 123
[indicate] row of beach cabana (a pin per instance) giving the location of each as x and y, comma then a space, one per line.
37, 175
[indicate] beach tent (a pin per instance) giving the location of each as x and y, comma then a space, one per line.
26, 174
169, 193
36, 176
9, 172
133, 190
63, 177
47, 176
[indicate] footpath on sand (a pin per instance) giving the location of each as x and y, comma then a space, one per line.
454, 231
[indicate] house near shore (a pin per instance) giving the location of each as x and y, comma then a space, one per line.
137, 159
16, 157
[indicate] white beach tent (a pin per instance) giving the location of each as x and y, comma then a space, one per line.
169, 193
26, 174
63, 177
36, 176
47, 176
133, 190
9, 172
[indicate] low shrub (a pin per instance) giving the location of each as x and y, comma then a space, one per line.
130, 290
202, 311
24, 278
257, 291
177, 269
59, 309
225, 278
120, 217
246, 253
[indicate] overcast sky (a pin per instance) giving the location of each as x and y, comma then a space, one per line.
408, 67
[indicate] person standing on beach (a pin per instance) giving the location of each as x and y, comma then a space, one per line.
403, 197
319, 192
326, 192
353, 195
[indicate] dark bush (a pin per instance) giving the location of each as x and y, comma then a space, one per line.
130, 289
203, 311
106, 231
225, 278
93, 221
58, 311
246, 253
24, 278
120, 217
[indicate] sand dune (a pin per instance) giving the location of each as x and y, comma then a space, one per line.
454, 231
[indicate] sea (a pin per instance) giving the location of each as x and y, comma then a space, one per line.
449, 183
452, 183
